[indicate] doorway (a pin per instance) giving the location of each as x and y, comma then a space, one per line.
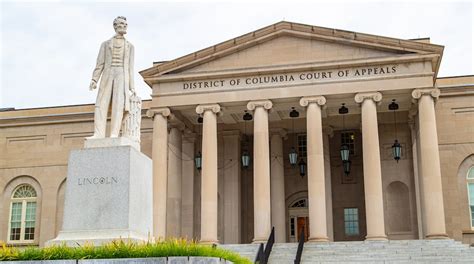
298, 220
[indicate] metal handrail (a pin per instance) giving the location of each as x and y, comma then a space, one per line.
299, 252
263, 255
269, 245
260, 258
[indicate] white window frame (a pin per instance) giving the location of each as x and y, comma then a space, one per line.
358, 222
468, 182
24, 201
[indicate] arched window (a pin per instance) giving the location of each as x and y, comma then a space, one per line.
22, 214
470, 192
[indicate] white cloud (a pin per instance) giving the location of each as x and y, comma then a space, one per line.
49, 49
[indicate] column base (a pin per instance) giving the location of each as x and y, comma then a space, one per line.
318, 239
259, 240
437, 236
376, 238
209, 242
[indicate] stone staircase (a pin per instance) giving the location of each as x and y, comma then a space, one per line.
393, 251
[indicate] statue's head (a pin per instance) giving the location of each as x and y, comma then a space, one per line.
120, 25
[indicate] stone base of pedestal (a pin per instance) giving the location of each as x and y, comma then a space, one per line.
108, 196
110, 142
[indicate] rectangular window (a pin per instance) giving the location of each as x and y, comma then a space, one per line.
15, 221
30, 220
351, 221
302, 145
348, 138
292, 226
470, 187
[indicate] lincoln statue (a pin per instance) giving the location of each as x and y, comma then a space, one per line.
114, 68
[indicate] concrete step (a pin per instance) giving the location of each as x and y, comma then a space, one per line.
399, 251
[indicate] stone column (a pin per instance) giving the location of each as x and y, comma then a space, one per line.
277, 185
412, 113
372, 169
188, 169
173, 216
160, 169
328, 132
432, 190
261, 172
231, 182
209, 173
316, 174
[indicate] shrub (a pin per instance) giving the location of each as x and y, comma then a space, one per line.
120, 249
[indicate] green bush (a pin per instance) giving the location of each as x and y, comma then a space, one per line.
120, 249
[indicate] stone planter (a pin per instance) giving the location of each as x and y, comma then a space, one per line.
164, 260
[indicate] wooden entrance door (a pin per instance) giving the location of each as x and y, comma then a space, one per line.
303, 222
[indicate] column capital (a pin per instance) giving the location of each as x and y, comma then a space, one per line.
215, 108
320, 100
374, 96
280, 132
266, 104
164, 111
433, 92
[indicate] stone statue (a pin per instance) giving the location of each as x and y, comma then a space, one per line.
115, 65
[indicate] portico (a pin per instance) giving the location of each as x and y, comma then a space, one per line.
312, 70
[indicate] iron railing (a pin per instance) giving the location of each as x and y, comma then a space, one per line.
263, 255
260, 258
299, 252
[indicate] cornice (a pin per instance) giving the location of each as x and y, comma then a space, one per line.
289, 68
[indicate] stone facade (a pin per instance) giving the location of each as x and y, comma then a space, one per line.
266, 73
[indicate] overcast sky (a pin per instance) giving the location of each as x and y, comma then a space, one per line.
48, 50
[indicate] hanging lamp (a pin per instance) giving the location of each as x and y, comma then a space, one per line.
293, 155
245, 158
198, 157
396, 147
344, 150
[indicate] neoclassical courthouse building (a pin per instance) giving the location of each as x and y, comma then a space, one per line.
344, 135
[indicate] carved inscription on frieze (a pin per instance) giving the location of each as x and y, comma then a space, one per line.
288, 78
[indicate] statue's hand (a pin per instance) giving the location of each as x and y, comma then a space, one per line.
93, 85
132, 91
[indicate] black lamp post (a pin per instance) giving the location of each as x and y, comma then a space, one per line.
396, 147
293, 155
198, 161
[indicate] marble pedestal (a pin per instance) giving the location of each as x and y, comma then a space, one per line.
108, 196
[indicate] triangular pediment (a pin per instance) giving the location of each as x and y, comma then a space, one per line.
286, 43
287, 50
